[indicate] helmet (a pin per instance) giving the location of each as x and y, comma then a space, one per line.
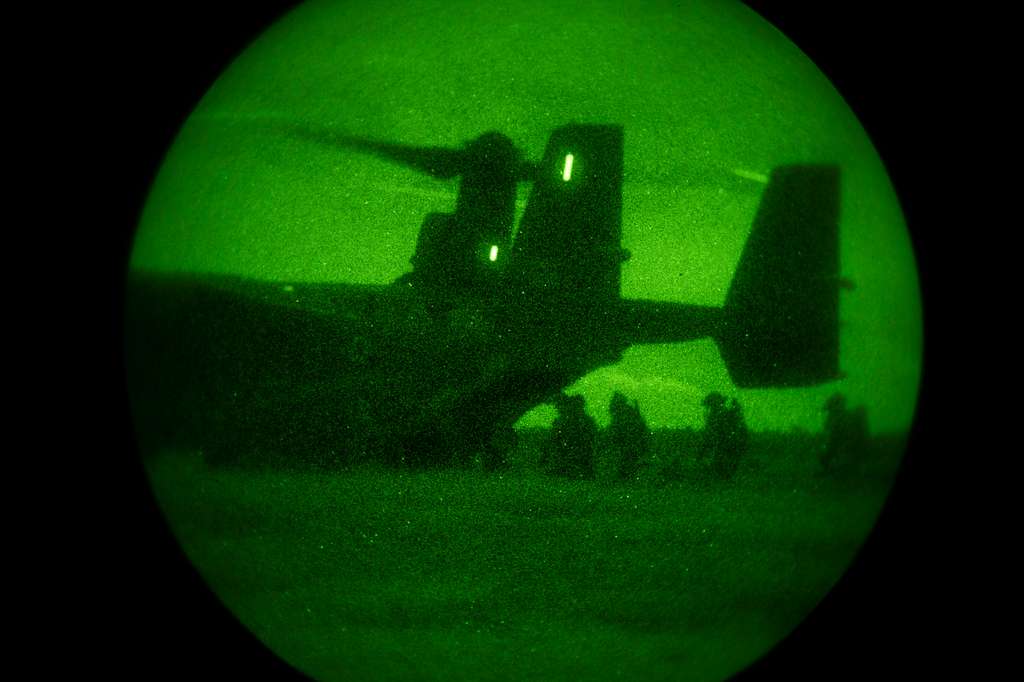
713, 399
835, 402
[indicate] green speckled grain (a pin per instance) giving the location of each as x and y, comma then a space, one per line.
371, 574
702, 89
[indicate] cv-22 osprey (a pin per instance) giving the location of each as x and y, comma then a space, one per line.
436, 367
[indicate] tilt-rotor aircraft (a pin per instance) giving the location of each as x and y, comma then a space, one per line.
435, 367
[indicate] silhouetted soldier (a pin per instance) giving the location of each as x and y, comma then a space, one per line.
846, 433
630, 438
714, 427
573, 439
725, 434
735, 439
497, 448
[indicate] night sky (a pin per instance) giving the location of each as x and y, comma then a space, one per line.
711, 98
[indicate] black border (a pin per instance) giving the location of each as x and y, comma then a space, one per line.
157, 618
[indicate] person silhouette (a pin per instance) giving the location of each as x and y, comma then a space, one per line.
573, 439
725, 435
714, 427
630, 438
734, 439
846, 433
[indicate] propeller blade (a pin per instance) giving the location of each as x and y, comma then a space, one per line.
438, 162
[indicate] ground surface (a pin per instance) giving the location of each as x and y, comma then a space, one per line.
459, 575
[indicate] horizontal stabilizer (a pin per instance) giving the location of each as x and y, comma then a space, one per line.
666, 322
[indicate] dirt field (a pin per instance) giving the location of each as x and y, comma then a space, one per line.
459, 575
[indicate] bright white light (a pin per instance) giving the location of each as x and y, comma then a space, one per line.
494, 253
567, 171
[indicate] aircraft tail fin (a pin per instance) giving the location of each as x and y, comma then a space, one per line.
780, 326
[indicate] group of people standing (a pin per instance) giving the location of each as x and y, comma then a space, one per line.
572, 449
574, 440
725, 435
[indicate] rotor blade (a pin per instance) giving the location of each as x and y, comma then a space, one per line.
439, 162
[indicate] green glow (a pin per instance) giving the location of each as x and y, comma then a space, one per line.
236, 197
337, 572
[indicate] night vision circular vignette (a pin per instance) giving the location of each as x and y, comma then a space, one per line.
549, 341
